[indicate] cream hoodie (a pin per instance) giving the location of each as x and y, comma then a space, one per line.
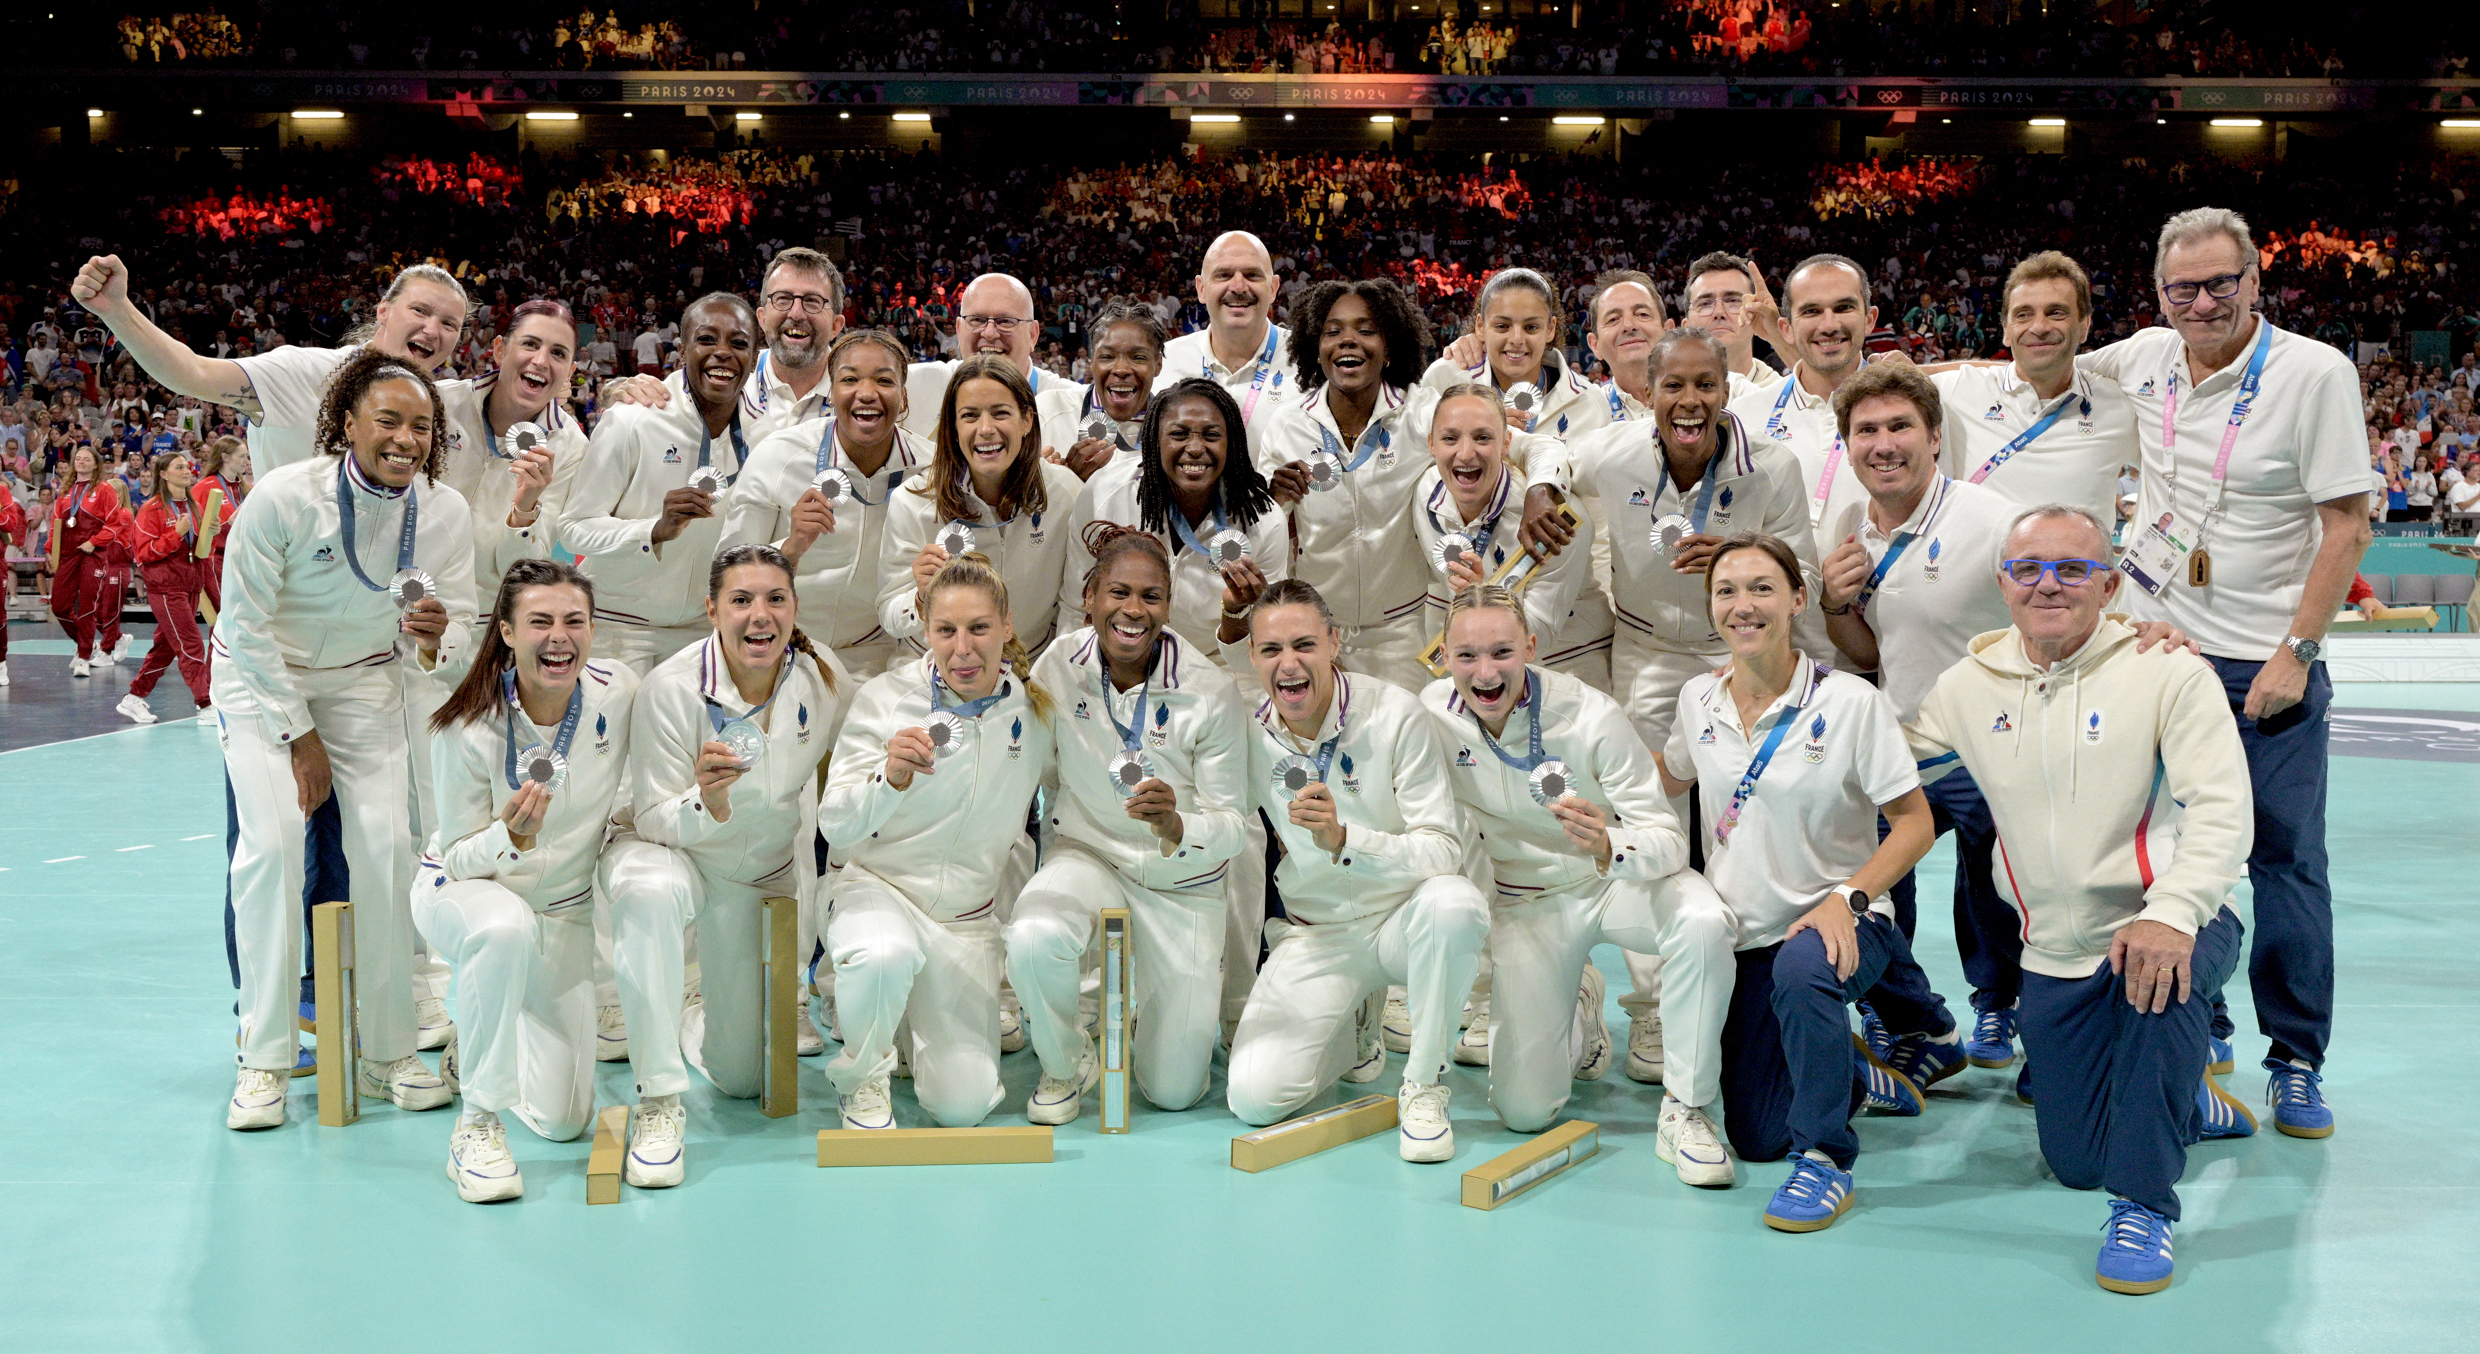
2116, 780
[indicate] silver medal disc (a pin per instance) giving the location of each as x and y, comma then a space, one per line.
543, 765
1669, 531
523, 437
1551, 782
746, 740
833, 485
1130, 769
1293, 775
707, 480
1524, 397
956, 539
946, 733
1099, 429
1228, 546
1451, 547
1325, 470
409, 587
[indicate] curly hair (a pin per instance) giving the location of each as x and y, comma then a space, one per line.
351, 385
1401, 327
1109, 541
1241, 492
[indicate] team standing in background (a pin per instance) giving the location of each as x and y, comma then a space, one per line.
1379, 689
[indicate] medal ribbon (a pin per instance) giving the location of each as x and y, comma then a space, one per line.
344, 514
740, 449
86, 487
1482, 535
971, 709
559, 741
714, 710
1532, 700
1757, 764
1363, 449
1128, 736
827, 452
1188, 534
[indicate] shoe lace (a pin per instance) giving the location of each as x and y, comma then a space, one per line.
607, 1018
1695, 1130
258, 1080
660, 1123
2133, 1227
870, 1095
1430, 1099
1994, 1027
481, 1140
2293, 1085
1810, 1179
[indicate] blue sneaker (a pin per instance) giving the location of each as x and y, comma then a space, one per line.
1873, 1030
308, 1021
1889, 1091
2135, 1249
2023, 1081
2221, 1060
1993, 1039
305, 1061
2298, 1099
1924, 1061
2219, 1114
1810, 1201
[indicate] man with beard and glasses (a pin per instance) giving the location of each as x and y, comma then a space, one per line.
801, 309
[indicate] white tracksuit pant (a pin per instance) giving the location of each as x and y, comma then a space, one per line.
1244, 918
524, 999
653, 894
422, 698
1175, 971
894, 965
1296, 1038
1649, 679
357, 712
1541, 944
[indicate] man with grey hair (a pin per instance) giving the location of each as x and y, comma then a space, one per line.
1241, 347
2250, 522
801, 310
2116, 783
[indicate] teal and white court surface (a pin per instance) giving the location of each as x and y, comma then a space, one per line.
135, 1221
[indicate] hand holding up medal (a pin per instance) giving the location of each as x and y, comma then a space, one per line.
524, 813
813, 516
1585, 826
1152, 803
910, 754
717, 767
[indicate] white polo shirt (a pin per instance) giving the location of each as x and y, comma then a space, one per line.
1942, 589
2075, 459
769, 406
2303, 443
925, 389
1259, 384
838, 581
1811, 821
288, 382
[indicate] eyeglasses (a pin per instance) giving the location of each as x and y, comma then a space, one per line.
1730, 304
2070, 573
810, 302
1001, 324
2219, 288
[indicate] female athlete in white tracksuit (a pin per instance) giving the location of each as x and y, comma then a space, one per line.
505, 890
724, 746
1155, 836
938, 762
301, 677
1373, 842
1594, 857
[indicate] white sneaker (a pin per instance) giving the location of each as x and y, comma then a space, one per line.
479, 1163
1644, 1060
1687, 1140
1594, 1059
656, 1157
1473, 1048
807, 1042
611, 1035
871, 1105
1397, 1023
431, 1026
1059, 1100
120, 651
4, 668
447, 1067
134, 707
1011, 1030
1422, 1128
79, 667
1369, 1039
406, 1082
257, 1101
206, 713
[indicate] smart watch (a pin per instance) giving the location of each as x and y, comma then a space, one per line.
1859, 901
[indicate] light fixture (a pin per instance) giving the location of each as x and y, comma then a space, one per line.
843, 117
1578, 121
1502, 117
1947, 121
628, 115
2460, 122
2161, 122
2238, 122
550, 115
1287, 117
749, 117
2049, 122
94, 112
1214, 117
912, 117
317, 115
1383, 119
197, 112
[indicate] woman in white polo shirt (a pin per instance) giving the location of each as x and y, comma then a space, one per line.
1792, 764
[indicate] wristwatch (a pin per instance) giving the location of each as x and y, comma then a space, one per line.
2305, 650
1859, 901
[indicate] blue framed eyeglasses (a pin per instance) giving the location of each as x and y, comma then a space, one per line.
2070, 573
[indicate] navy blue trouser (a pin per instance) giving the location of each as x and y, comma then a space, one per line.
2291, 962
1989, 936
324, 878
1789, 1080
2118, 1085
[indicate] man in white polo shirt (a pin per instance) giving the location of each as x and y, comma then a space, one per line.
2040, 430
994, 314
2253, 451
1727, 294
1240, 347
1829, 322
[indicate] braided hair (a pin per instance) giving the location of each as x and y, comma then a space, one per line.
1241, 492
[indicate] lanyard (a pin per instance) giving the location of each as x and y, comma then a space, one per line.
1532, 702
559, 741
2239, 410
1257, 383
344, 513
1362, 448
973, 709
80, 501
714, 710
1343, 712
1756, 765
1188, 534
2025, 439
706, 446
828, 451
1780, 430
1128, 734
1483, 534
1894, 551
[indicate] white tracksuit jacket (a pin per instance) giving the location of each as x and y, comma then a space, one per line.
1401, 823
469, 780
838, 583
1571, 406
478, 468
639, 454
1563, 606
1196, 584
1029, 551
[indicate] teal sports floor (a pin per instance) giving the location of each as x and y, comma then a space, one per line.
135, 1221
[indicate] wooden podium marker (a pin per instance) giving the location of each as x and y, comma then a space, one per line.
1501, 1178
1115, 1020
1311, 1134
331, 953
611, 1143
933, 1146
780, 973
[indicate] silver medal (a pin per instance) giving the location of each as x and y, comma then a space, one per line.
543, 765
1294, 774
1551, 782
956, 539
946, 733
833, 485
1523, 397
746, 740
1130, 769
1669, 531
523, 437
1451, 547
1325, 470
707, 480
409, 587
1228, 546
1099, 428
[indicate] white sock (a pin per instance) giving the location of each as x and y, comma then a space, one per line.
476, 1117
1821, 1158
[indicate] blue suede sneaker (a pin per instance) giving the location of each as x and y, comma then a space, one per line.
2135, 1249
2298, 1099
1889, 1091
1993, 1039
308, 1021
2219, 1114
2221, 1060
1873, 1030
2023, 1081
1924, 1061
1811, 1199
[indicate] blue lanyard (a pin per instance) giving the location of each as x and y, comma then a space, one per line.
2023, 440
1257, 383
706, 446
1188, 534
1903, 539
80, 502
714, 711
827, 455
1128, 735
973, 709
1532, 703
1334, 444
1343, 711
1757, 764
1705, 495
559, 741
1774, 426
344, 513
1483, 534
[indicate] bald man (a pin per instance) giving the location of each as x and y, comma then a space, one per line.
1240, 347
994, 314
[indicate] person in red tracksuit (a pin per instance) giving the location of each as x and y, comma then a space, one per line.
222, 468
12, 531
164, 541
90, 529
